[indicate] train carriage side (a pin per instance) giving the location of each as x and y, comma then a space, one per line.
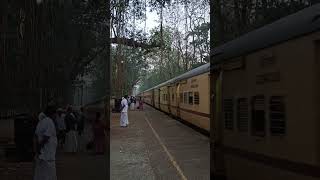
147, 97
270, 105
156, 99
173, 99
194, 105
164, 98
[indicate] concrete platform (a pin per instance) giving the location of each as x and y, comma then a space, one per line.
155, 146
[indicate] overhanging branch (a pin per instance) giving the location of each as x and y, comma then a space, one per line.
133, 43
124, 41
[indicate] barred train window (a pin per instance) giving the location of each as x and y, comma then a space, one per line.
196, 98
181, 97
242, 115
185, 97
191, 98
258, 116
228, 113
277, 115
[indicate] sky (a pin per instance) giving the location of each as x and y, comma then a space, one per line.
151, 21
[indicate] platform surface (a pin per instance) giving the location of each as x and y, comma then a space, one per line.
156, 146
153, 147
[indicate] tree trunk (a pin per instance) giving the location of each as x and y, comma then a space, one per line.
217, 169
186, 29
161, 40
218, 33
108, 87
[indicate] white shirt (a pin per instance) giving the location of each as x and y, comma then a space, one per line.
124, 103
46, 127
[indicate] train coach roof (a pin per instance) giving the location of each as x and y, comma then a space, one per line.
303, 22
194, 72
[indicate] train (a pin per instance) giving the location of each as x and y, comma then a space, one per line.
259, 99
184, 97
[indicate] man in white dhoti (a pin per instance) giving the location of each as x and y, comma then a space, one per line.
45, 166
124, 122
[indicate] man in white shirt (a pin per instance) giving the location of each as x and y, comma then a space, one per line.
124, 112
45, 167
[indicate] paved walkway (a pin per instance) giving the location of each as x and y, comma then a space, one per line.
81, 167
155, 146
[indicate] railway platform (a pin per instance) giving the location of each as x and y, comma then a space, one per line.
155, 146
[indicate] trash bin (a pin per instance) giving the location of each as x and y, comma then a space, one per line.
23, 137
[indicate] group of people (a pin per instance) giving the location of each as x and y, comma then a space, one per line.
125, 103
132, 101
67, 129
69, 126
71, 131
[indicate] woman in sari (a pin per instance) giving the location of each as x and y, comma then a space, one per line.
99, 134
140, 104
71, 142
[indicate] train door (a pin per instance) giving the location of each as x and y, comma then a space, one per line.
216, 124
152, 98
169, 98
159, 98
178, 100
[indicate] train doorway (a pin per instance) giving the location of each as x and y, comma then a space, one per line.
178, 100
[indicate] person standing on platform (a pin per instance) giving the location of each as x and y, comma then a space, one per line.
132, 105
140, 104
80, 129
99, 134
124, 122
71, 144
45, 166
61, 127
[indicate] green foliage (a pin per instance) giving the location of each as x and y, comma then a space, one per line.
239, 17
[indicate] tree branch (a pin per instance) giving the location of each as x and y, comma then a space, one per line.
133, 43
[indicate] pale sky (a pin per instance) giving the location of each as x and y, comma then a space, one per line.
151, 21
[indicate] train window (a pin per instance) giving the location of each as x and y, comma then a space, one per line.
196, 98
185, 97
181, 98
191, 98
277, 115
172, 97
242, 115
228, 113
258, 116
